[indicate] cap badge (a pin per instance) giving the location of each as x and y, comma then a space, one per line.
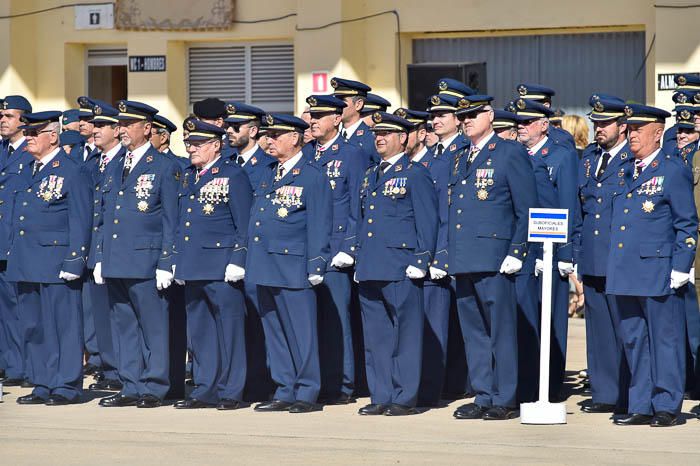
435, 100
401, 113
122, 107
334, 83
312, 101
82, 101
598, 107
628, 111
269, 119
521, 104
189, 125
682, 81
681, 98
377, 117
522, 90
463, 103
442, 85
685, 115
97, 110
230, 109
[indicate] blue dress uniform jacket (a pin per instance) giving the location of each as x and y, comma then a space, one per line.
257, 166
140, 218
562, 136
290, 227
344, 165
457, 145
13, 169
399, 222
51, 225
439, 169
213, 225
489, 203
364, 139
596, 206
653, 231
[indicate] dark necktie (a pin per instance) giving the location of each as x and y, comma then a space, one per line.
10, 150
344, 134
603, 164
37, 167
440, 149
382, 168
240, 160
127, 165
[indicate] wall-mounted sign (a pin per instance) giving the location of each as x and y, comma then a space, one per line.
139, 63
666, 80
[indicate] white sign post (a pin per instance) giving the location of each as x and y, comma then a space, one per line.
547, 226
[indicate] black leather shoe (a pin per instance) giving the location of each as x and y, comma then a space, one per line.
598, 408
13, 382
304, 407
106, 385
118, 401
400, 410
500, 413
60, 400
229, 405
149, 401
274, 405
90, 369
99, 376
633, 420
372, 410
664, 419
342, 399
469, 411
2, 374
30, 399
27, 384
191, 403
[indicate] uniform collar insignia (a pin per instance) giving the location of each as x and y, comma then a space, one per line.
545, 151
425, 164
253, 160
215, 170
453, 147
56, 163
492, 146
360, 132
397, 167
334, 147
654, 164
296, 171
149, 159
623, 156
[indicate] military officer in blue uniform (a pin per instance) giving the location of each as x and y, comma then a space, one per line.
14, 168
442, 108
70, 120
491, 189
561, 162
653, 240
109, 153
242, 125
83, 151
685, 84
396, 246
437, 292
288, 254
213, 111
686, 135
600, 177
51, 226
505, 124
543, 95
454, 88
354, 129
373, 103
344, 165
215, 201
135, 257
161, 135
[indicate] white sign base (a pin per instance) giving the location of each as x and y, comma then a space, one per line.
543, 412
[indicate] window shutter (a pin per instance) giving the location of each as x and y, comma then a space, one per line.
272, 72
217, 72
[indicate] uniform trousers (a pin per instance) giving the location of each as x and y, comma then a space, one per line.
140, 320
96, 297
692, 321
51, 317
89, 333
436, 311
259, 385
392, 321
529, 322
11, 335
290, 323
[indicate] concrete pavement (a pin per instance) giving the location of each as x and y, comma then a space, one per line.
89, 435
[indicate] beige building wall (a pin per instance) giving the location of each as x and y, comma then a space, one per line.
43, 57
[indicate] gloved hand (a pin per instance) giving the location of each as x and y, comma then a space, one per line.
692, 276
97, 274
354, 278
342, 260
414, 272
67, 276
511, 265
678, 279
177, 280
565, 268
163, 279
539, 267
234, 273
437, 274
315, 279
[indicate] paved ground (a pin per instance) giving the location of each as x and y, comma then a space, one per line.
90, 435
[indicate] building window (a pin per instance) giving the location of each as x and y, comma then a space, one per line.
107, 74
260, 74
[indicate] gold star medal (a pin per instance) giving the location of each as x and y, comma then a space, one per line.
282, 212
648, 206
208, 209
142, 206
482, 194
46, 195
332, 184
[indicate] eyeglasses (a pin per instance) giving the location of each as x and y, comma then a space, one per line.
197, 145
236, 127
30, 133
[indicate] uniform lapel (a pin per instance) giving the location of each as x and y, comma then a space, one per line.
648, 173
397, 168
483, 155
621, 158
143, 165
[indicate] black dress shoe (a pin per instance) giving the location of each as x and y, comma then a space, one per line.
90, 369
274, 405
229, 405
342, 399
149, 401
469, 411
26, 384
2, 374
13, 382
664, 419
598, 408
633, 420
500, 413
304, 407
372, 410
400, 410
30, 399
60, 400
118, 401
191, 403
106, 385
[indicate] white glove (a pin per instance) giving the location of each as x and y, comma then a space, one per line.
437, 274
178, 280
67, 276
565, 268
414, 272
315, 279
234, 273
692, 276
97, 274
354, 278
342, 260
163, 279
511, 265
539, 267
678, 279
